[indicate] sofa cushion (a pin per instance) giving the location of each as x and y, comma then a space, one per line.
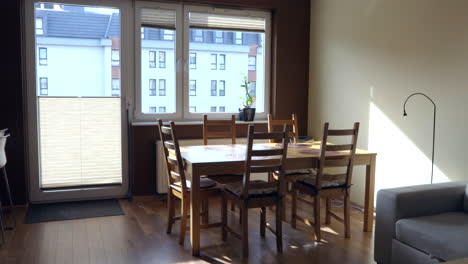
444, 236
465, 201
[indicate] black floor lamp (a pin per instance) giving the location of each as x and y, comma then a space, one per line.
433, 126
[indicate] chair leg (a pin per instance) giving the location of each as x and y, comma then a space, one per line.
233, 206
318, 235
347, 216
205, 208
327, 211
262, 221
170, 211
7, 186
245, 231
2, 227
224, 218
183, 220
293, 208
279, 226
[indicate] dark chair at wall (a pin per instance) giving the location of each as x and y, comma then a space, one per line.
179, 186
249, 194
328, 183
3, 162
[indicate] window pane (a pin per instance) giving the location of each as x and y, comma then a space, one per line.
115, 57
162, 42
152, 59
193, 60
219, 84
193, 88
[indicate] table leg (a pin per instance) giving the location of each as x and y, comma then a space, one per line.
195, 213
369, 198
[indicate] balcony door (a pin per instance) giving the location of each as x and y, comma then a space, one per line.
76, 111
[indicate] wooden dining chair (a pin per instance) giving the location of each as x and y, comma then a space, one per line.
328, 183
273, 124
249, 194
179, 186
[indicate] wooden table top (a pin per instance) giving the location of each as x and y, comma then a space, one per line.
236, 152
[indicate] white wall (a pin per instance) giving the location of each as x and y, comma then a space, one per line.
367, 57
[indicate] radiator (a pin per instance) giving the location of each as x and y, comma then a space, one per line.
161, 173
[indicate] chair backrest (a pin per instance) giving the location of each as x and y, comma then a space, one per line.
3, 158
292, 122
263, 163
343, 159
3, 131
230, 133
174, 161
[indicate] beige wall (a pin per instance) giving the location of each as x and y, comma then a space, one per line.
367, 56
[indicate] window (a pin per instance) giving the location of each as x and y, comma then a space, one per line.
162, 109
162, 59
115, 87
222, 109
115, 56
39, 26
193, 88
222, 61
162, 87
44, 86
252, 63
152, 59
219, 37
213, 88
253, 89
43, 56
152, 87
214, 59
198, 35
222, 91
168, 34
213, 109
152, 109
142, 33
208, 35
193, 60
238, 37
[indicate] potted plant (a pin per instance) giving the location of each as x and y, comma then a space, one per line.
247, 113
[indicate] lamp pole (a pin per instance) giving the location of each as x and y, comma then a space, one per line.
433, 126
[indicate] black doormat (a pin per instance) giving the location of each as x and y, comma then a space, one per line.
72, 210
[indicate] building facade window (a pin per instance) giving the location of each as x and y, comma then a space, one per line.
44, 86
193, 109
115, 87
238, 38
162, 87
193, 60
198, 35
252, 63
162, 109
142, 33
43, 56
152, 59
39, 26
213, 109
193, 87
213, 88
115, 57
253, 88
214, 61
152, 87
162, 59
222, 109
222, 61
219, 37
152, 109
222, 90
168, 34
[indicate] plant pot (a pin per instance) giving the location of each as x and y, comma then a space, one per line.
246, 114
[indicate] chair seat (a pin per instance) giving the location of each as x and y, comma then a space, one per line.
301, 172
226, 178
236, 189
204, 183
330, 183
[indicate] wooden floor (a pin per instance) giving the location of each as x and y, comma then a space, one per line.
139, 237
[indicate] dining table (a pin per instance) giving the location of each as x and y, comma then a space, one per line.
230, 159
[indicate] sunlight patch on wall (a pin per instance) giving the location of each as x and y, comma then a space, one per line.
399, 161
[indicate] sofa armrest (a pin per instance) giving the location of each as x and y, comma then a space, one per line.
405, 202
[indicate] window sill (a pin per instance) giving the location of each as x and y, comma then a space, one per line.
188, 123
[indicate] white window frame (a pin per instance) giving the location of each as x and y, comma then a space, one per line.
182, 61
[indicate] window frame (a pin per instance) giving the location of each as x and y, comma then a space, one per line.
195, 58
152, 62
113, 86
162, 91
252, 65
162, 63
214, 88
214, 65
41, 63
152, 91
195, 87
219, 39
39, 30
115, 62
46, 88
222, 63
222, 92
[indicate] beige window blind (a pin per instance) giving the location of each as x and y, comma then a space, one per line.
80, 141
229, 22
159, 18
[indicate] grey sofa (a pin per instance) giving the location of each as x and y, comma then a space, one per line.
422, 224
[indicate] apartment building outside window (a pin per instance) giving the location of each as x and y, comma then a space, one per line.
115, 57
198, 35
213, 88
115, 87
238, 38
44, 86
162, 87
222, 90
152, 109
168, 34
162, 109
193, 60
162, 59
222, 109
193, 109
152, 87
219, 37
252, 63
43, 56
214, 61
152, 59
222, 61
213, 109
193, 87
253, 88
39, 26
